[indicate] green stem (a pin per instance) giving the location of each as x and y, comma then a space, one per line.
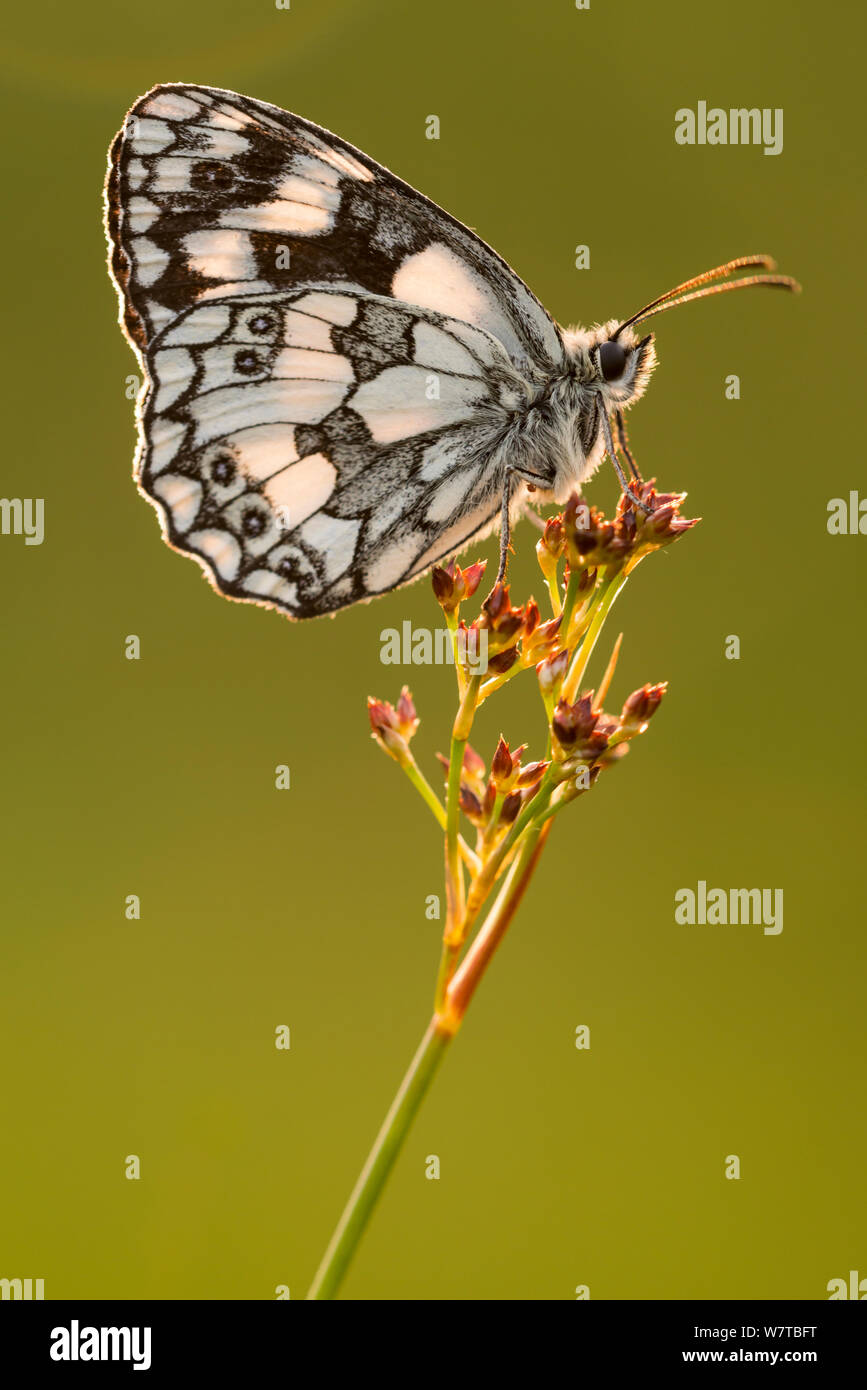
380, 1162
422, 1068
425, 790
454, 877
430, 798
553, 592
585, 651
490, 934
452, 625
446, 968
572, 586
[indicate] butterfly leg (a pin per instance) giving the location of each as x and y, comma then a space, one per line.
623, 441
622, 478
514, 476
505, 524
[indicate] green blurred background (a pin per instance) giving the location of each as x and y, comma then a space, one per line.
559, 1167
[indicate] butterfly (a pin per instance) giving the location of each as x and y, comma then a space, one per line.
343, 384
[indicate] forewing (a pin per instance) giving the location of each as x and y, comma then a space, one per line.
314, 448
210, 193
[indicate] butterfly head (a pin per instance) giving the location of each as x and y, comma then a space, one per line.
616, 361
613, 362
622, 363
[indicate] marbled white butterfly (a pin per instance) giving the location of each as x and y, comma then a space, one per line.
343, 383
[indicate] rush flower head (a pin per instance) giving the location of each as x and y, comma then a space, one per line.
503, 622
504, 628
591, 542
504, 766
659, 526
640, 708
510, 804
550, 546
473, 776
551, 673
542, 641
578, 730
393, 728
451, 584
507, 773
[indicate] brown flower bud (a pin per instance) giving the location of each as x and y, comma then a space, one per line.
501, 764
471, 806
503, 661
542, 642
532, 774
393, 728
552, 541
474, 764
472, 577
499, 616
511, 807
506, 766
640, 707
451, 584
407, 719
551, 673
578, 730
443, 586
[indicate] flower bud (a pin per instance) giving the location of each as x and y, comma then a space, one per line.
451, 584
503, 661
640, 707
393, 728
501, 766
471, 806
551, 673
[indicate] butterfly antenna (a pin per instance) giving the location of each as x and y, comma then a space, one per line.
679, 294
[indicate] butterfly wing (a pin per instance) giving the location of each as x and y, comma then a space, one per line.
210, 194
316, 447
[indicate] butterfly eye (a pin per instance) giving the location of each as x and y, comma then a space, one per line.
612, 361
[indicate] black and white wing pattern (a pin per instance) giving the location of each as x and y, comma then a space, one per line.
315, 447
331, 359
210, 193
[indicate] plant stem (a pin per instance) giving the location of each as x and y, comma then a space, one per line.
471, 969
452, 625
572, 587
554, 592
380, 1161
585, 651
430, 798
454, 876
406, 1103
